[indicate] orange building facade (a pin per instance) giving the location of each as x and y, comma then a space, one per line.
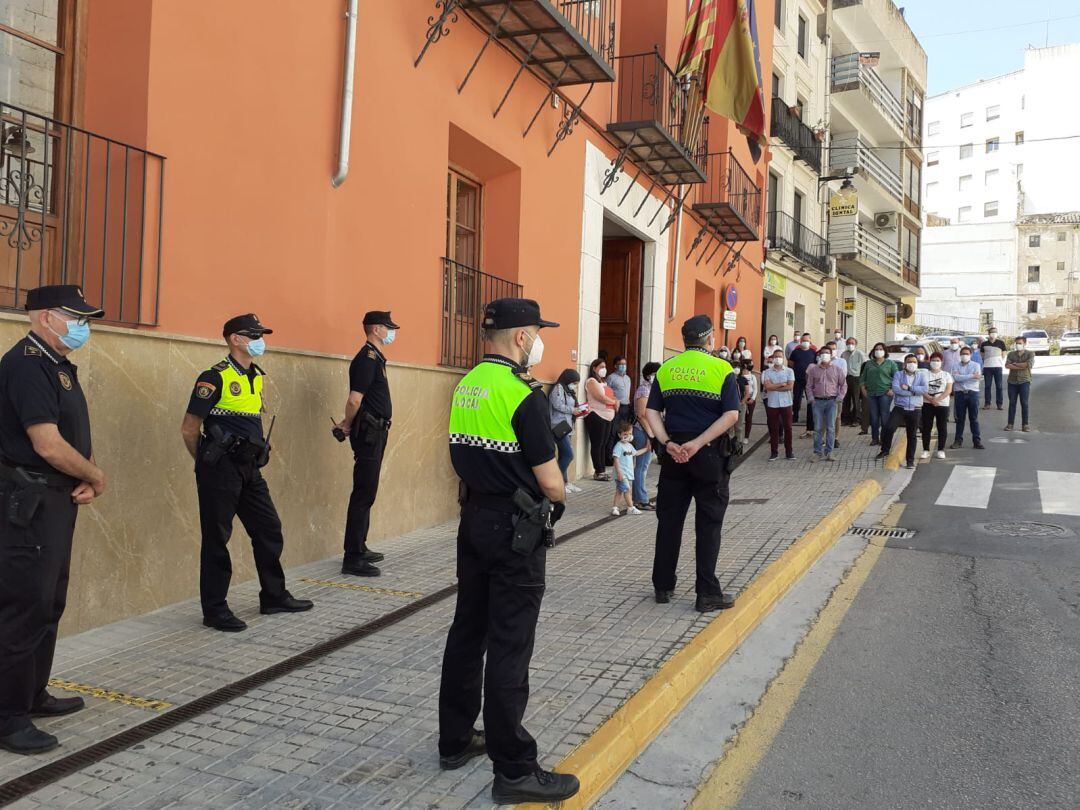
473, 173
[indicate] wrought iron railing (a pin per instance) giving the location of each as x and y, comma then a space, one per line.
785, 233
855, 153
466, 291
800, 138
648, 91
848, 70
79, 208
729, 183
851, 238
595, 21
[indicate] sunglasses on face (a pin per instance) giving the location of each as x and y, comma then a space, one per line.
81, 320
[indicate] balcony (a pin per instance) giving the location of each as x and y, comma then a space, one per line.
796, 135
729, 201
466, 291
856, 154
79, 208
911, 273
873, 106
565, 42
802, 244
660, 127
868, 259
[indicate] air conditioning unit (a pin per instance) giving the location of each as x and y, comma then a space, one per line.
885, 221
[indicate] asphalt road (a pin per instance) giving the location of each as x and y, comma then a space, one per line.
954, 679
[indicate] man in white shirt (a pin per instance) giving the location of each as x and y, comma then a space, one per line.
993, 357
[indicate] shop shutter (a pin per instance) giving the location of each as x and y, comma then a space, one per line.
860, 319
875, 320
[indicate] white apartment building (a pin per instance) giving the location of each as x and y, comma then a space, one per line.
991, 159
877, 80
796, 253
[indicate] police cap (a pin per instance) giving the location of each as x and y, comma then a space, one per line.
248, 324
68, 297
379, 318
508, 313
700, 326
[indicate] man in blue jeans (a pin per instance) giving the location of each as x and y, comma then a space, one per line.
966, 379
826, 384
1019, 362
993, 361
642, 438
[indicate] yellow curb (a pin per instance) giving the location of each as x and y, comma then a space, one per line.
611, 749
892, 463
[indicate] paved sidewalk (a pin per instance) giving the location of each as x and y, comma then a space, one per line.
357, 728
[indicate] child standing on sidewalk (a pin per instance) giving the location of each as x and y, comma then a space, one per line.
624, 455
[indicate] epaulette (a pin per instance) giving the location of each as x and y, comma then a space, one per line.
30, 350
224, 364
528, 379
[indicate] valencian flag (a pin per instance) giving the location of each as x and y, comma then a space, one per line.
719, 56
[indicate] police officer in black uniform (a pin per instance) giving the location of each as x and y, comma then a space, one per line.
511, 489
367, 424
46, 472
692, 407
223, 431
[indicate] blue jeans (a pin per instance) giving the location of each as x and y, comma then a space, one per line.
641, 466
880, 406
991, 376
967, 406
824, 425
1021, 390
566, 453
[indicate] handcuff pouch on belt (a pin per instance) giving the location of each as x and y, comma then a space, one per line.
25, 498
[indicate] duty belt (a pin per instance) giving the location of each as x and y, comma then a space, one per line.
53, 480
374, 421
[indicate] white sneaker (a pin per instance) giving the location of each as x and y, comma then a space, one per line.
633, 510
940, 454
615, 511
924, 454
569, 490
575, 488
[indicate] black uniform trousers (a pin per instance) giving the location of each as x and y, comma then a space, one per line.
368, 446
705, 479
34, 564
498, 603
227, 490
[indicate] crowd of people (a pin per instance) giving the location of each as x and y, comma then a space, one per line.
840, 384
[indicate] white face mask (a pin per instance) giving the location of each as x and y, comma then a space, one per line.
601, 373
572, 388
922, 357
536, 352
935, 364
391, 334
778, 362
805, 344
824, 359
772, 341
993, 335
1018, 346
747, 354
965, 358
851, 347
954, 346
911, 367
879, 353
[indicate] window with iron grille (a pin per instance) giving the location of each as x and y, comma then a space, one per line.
1033, 274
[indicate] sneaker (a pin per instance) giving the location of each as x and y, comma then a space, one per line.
939, 454
956, 445
808, 435
835, 444
574, 488
1008, 427
790, 457
986, 407
774, 457
1026, 428
910, 465
829, 457
815, 458
924, 454
568, 490
633, 510
978, 446
1001, 407
875, 442
539, 786
615, 511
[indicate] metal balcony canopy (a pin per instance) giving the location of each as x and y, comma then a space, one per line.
730, 201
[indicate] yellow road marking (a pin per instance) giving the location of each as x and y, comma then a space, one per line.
892, 517
110, 695
348, 586
725, 786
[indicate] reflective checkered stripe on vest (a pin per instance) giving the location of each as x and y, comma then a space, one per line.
483, 446
239, 397
693, 373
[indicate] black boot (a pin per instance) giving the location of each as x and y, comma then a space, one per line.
287, 603
477, 747
707, 602
369, 556
663, 597
539, 786
50, 706
227, 622
359, 568
29, 740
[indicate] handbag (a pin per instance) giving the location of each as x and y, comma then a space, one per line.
561, 429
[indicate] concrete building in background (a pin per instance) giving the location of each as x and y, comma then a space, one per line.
991, 159
877, 81
1048, 269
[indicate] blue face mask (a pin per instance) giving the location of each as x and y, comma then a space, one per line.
621, 368
391, 334
77, 334
256, 348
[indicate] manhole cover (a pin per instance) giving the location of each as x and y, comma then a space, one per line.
1023, 529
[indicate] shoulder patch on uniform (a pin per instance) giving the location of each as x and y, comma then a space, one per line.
528, 379
224, 364
204, 390
371, 354
29, 350
65, 380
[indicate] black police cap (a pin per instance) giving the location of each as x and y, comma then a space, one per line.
245, 323
697, 327
379, 318
68, 297
508, 313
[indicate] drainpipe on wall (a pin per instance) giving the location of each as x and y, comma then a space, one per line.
346, 96
675, 261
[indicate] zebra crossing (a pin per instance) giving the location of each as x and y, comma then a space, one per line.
971, 487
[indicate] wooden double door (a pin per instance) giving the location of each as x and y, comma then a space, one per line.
620, 302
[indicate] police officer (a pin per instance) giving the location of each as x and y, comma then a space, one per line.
503, 451
367, 424
46, 472
223, 431
693, 405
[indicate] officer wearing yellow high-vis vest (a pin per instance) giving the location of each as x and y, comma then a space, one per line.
223, 431
693, 404
511, 492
